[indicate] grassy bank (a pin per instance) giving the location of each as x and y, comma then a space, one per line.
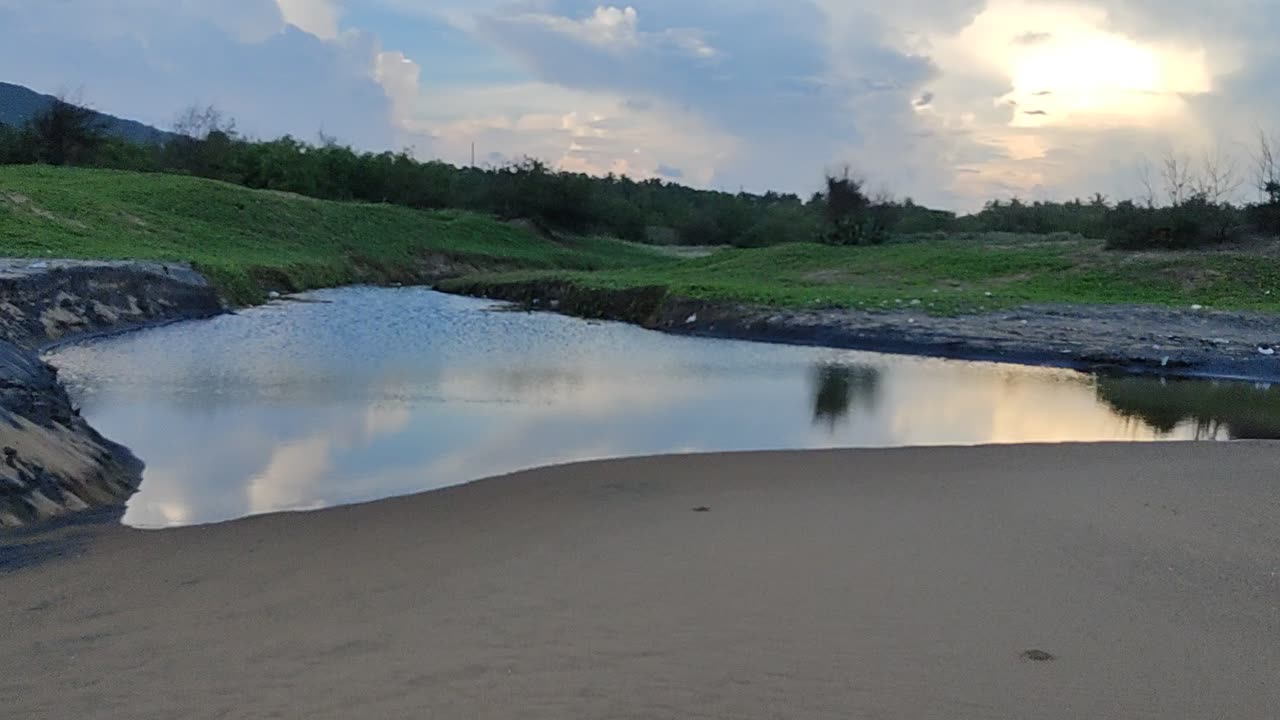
944, 275
248, 240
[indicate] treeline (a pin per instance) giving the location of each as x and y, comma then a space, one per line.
1185, 204
652, 211
207, 145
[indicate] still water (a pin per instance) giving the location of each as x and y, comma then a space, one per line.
364, 393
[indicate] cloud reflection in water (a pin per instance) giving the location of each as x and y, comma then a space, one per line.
386, 392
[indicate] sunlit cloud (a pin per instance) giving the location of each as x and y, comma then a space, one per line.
318, 17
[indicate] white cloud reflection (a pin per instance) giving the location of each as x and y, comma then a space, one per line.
292, 409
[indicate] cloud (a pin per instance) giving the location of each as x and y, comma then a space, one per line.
400, 78
147, 59
950, 101
1032, 38
291, 478
762, 74
318, 17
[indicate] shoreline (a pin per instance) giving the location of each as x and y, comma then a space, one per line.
1062, 581
63, 466
54, 463
1103, 339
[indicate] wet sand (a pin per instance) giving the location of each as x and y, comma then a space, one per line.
868, 584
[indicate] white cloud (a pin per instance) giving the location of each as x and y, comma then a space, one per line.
291, 478
318, 17
147, 59
401, 78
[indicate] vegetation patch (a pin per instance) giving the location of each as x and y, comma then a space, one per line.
938, 277
251, 241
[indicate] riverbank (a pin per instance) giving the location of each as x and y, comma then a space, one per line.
923, 583
1096, 338
148, 249
54, 464
187, 247
250, 243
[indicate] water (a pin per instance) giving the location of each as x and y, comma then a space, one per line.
369, 393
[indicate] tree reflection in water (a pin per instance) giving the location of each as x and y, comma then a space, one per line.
838, 388
1216, 409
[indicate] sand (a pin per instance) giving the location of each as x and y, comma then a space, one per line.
844, 584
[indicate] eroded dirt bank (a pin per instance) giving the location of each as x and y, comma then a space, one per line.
1166, 341
52, 463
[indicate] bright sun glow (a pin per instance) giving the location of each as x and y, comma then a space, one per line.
1092, 76
1029, 78
1066, 67
1087, 68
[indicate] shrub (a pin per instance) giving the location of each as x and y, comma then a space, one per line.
16, 147
1264, 217
783, 223
1194, 223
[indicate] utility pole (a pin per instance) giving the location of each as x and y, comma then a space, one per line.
473, 154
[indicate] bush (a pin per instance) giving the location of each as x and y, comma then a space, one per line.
1265, 216
1041, 218
783, 223
15, 146
1192, 224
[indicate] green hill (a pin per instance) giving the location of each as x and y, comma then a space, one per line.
250, 240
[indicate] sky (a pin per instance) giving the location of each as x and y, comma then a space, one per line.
950, 102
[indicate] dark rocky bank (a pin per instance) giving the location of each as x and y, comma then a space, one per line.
1191, 342
52, 463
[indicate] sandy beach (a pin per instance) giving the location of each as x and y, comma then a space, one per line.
835, 584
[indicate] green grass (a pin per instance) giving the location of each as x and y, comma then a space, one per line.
244, 238
951, 275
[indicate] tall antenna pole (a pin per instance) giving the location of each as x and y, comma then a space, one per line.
473, 154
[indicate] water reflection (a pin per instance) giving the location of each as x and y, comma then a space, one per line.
837, 389
1213, 409
386, 392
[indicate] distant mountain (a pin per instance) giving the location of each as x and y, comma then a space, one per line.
19, 104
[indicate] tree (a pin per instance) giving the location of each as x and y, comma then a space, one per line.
1265, 216
852, 216
205, 143
1176, 174
1217, 179
1267, 166
198, 121
66, 134
1145, 179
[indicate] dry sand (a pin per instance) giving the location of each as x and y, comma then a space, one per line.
858, 584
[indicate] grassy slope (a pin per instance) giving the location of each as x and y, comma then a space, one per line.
238, 235
956, 274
